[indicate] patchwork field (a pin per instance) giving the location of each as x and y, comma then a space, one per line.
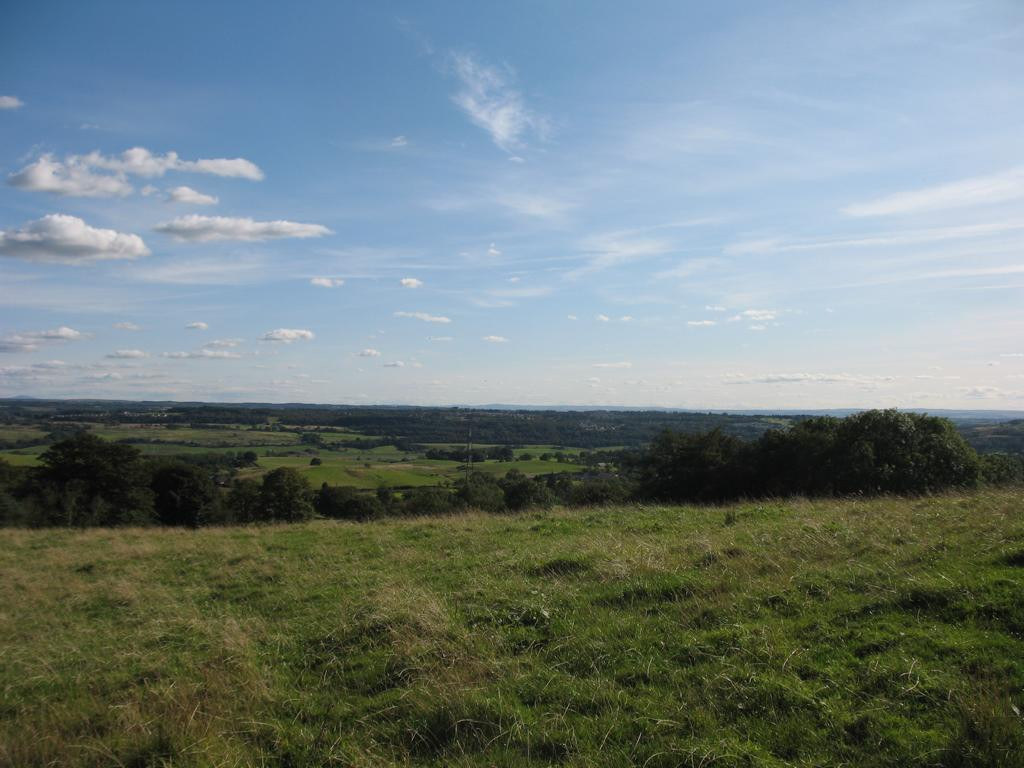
871, 633
342, 462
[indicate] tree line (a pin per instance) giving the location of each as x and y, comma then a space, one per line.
85, 480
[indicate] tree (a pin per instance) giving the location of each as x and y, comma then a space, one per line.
704, 467
183, 494
480, 491
428, 501
316, 461
522, 492
285, 495
243, 501
344, 503
86, 480
892, 452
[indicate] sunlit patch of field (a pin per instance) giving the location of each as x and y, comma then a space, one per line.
867, 632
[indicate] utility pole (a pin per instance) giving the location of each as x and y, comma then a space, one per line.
469, 450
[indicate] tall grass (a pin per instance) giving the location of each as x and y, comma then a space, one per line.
882, 632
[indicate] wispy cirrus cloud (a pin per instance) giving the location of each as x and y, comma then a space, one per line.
978, 190
492, 103
66, 239
196, 228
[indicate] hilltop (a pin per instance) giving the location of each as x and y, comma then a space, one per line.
880, 632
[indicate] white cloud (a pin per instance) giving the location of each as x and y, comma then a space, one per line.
714, 308
223, 344
572, 317
760, 315
203, 354
288, 335
369, 353
492, 250
11, 102
492, 104
67, 239
983, 392
495, 339
70, 178
29, 341
806, 378
198, 228
232, 168
410, 282
399, 141
327, 282
395, 364
439, 338
199, 325
190, 196
758, 327
77, 175
613, 365
127, 354
425, 317
127, 326
626, 319
139, 161
979, 190
603, 318
701, 323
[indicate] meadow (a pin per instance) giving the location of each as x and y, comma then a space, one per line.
343, 461
884, 632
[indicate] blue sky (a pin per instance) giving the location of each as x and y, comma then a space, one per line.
784, 205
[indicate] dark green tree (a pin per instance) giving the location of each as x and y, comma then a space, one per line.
183, 494
86, 480
285, 495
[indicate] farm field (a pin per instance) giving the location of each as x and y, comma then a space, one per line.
870, 632
342, 463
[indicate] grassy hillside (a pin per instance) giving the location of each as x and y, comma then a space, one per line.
885, 632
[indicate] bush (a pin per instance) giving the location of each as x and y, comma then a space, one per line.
480, 491
521, 491
428, 501
598, 491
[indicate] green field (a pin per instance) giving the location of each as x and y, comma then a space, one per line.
863, 633
342, 465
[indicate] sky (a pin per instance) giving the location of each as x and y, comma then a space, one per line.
675, 204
